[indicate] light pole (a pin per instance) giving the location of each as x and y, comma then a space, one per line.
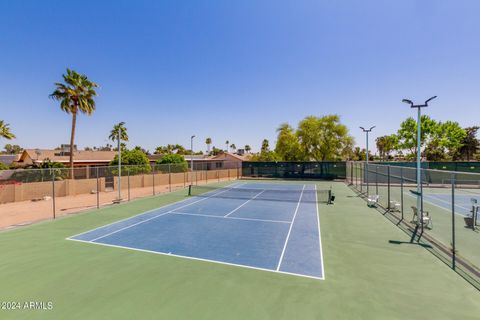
119, 164
191, 148
367, 131
419, 156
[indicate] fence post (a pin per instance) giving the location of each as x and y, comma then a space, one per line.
376, 180
388, 187
128, 182
453, 222
362, 176
401, 190
184, 179
98, 188
153, 179
169, 178
53, 192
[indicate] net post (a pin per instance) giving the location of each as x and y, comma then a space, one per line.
98, 188
189, 189
453, 222
53, 193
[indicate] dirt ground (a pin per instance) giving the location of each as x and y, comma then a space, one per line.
16, 214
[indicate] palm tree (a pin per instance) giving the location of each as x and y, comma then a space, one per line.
75, 95
233, 147
226, 143
208, 141
123, 132
247, 148
5, 131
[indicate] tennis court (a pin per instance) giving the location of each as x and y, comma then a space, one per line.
271, 227
463, 202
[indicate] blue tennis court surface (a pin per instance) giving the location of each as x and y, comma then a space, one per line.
271, 227
463, 205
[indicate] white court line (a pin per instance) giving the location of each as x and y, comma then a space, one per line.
290, 229
225, 217
439, 206
198, 259
244, 203
233, 185
319, 235
157, 216
432, 195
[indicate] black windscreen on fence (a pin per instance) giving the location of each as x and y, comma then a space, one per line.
295, 170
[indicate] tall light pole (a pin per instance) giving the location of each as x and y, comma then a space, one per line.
191, 148
119, 164
367, 131
419, 156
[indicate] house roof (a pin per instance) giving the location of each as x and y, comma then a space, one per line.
40, 155
8, 158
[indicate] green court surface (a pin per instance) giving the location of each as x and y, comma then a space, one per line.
371, 272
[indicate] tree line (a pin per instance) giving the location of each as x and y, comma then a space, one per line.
322, 138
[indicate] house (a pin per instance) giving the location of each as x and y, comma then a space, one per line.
8, 159
203, 162
80, 158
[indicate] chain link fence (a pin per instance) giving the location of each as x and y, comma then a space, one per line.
446, 222
29, 195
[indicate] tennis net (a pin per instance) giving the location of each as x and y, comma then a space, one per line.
286, 195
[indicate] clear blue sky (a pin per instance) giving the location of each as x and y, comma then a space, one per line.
235, 69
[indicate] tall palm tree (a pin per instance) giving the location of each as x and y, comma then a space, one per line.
5, 131
247, 148
208, 141
226, 143
123, 132
75, 95
233, 147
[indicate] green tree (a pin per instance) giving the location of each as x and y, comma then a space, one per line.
75, 95
386, 144
117, 129
147, 152
3, 166
445, 141
233, 147
265, 145
407, 134
13, 149
248, 148
470, 144
177, 162
135, 159
323, 138
216, 151
5, 131
208, 142
288, 146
